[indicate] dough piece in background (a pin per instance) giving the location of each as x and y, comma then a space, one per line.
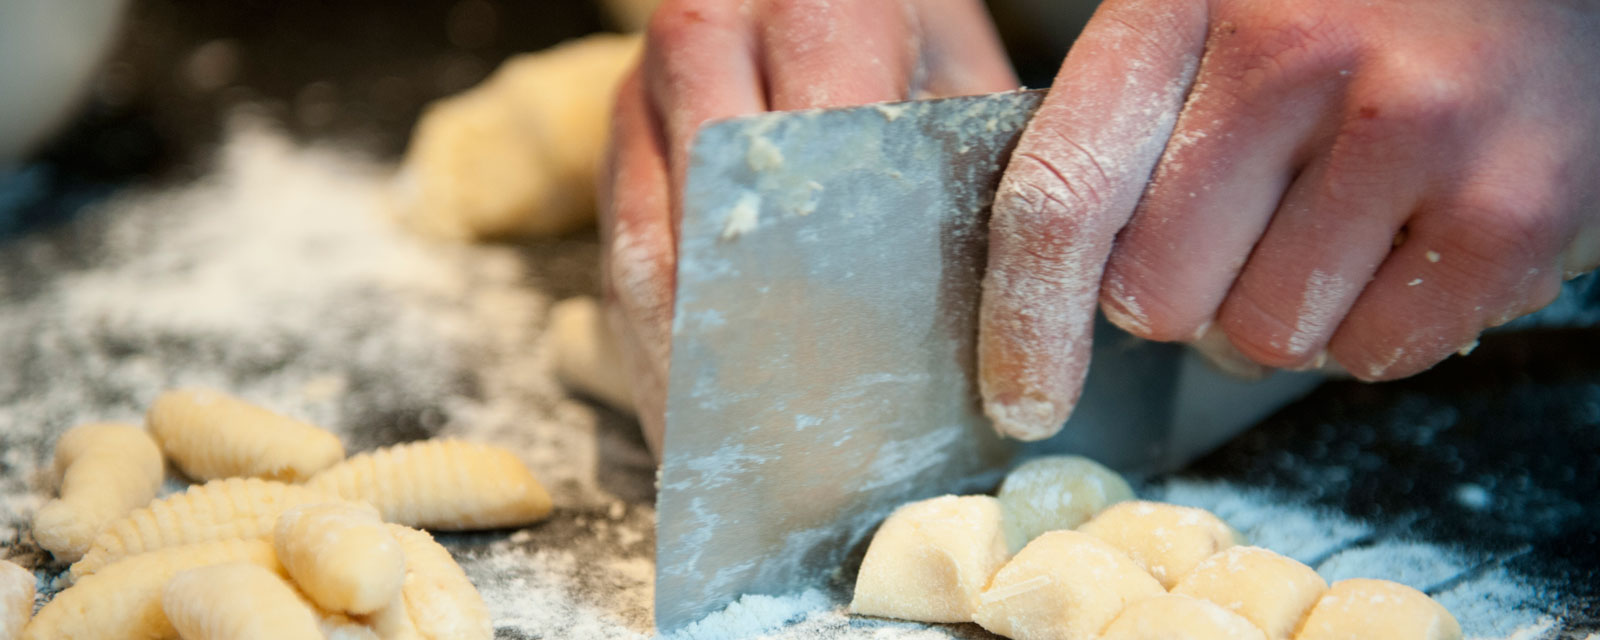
1175, 617
234, 508
341, 555
1057, 492
1168, 540
1363, 609
211, 435
1064, 585
106, 470
517, 155
237, 601
630, 15
931, 559
587, 358
441, 484
439, 599
123, 600
1270, 590
17, 588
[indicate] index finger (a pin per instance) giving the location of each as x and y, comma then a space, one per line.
1072, 183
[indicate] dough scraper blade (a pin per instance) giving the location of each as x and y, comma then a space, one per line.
822, 347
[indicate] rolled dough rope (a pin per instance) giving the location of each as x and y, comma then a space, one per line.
106, 471
17, 588
1166, 539
441, 601
244, 508
1057, 492
516, 155
1269, 590
123, 600
210, 435
441, 484
1362, 609
1175, 617
237, 601
931, 559
1064, 585
341, 555
586, 355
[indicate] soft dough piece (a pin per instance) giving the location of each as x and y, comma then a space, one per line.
1174, 617
441, 484
342, 556
237, 601
1362, 609
17, 588
1166, 539
516, 155
1057, 492
439, 599
211, 435
931, 559
106, 471
1064, 585
1272, 591
586, 355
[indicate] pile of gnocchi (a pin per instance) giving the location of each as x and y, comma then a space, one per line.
284, 539
1066, 553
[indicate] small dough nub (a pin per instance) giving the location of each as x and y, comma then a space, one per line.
17, 588
441, 601
237, 601
1168, 540
1057, 492
441, 484
1363, 609
1175, 617
210, 435
106, 471
1270, 590
1064, 585
931, 559
341, 555
587, 358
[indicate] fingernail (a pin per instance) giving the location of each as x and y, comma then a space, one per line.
1025, 418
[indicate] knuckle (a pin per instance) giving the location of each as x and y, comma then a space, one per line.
679, 23
1274, 51
1498, 231
1426, 100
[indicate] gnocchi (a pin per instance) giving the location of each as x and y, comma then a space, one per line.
931, 559
1174, 617
441, 484
441, 601
1064, 585
1362, 609
237, 601
1057, 492
1272, 591
211, 435
1166, 539
341, 555
17, 588
106, 471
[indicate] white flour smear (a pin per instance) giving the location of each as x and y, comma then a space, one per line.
277, 277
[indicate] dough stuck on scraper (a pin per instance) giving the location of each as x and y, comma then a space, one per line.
1362, 609
1174, 617
1064, 585
1166, 539
1057, 492
1268, 589
931, 559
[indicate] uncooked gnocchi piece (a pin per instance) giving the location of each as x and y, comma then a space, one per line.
244, 508
237, 601
210, 435
441, 601
341, 555
17, 588
1166, 539
1362, 609
1272, 591
441, 484
1175, 617
1064, 585
123, 600
931, 559
587, 358
1057, 492
106, 471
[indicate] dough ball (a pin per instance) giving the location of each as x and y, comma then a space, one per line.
1268, 589
1362, 609
1064, 585
1166, 539
587, 359
1057, 492
516, 155
1173, 617
931, 559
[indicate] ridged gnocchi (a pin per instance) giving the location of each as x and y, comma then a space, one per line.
341, 555
211, 435
441, 484
106, 471
17, 588
441, 601
237, 601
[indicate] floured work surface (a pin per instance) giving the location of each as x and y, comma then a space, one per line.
274, 277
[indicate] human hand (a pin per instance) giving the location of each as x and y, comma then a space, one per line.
1376, 182
711, 59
